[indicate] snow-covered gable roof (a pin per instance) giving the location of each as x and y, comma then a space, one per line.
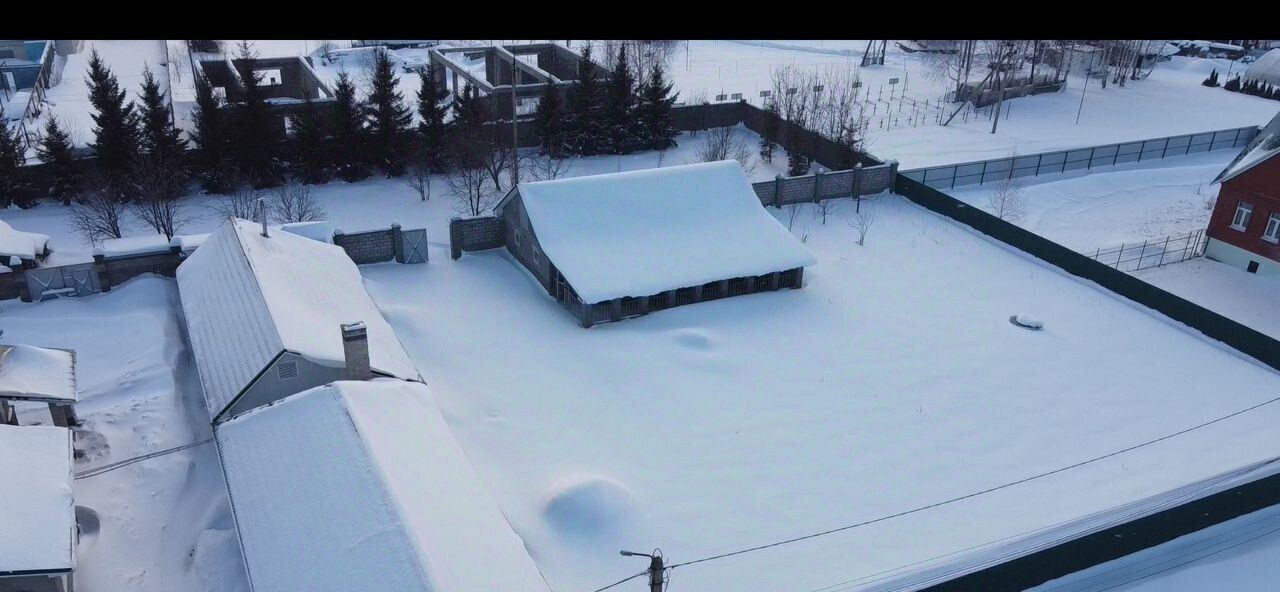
362, 486
23, 245
644, 232
1262, 147
37, 373
37, 511
247, 298
1266, 68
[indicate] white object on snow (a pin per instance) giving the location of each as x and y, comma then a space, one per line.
248, 297
38, 373
362, 486
23, 245
38, 513
1027, 321
318, 230
189, 242
643, 232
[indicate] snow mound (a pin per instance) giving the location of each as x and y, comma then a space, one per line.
587, 506
217, 559
1027, 321
695, 339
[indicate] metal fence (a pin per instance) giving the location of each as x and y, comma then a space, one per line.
1152, 253
1013, 167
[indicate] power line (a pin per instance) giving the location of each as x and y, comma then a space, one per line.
969, 495
626, 579
124, 463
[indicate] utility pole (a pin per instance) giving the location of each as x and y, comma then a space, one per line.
515, 128
657, 579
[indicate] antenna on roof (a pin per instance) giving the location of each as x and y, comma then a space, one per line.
262, 213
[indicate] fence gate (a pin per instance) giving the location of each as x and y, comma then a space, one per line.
80, 279
415, 245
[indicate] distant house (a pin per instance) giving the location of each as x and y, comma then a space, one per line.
1244, 230
608, 247
270, 316
362, 486
38, 375
22, 249
37, 510
1266, 69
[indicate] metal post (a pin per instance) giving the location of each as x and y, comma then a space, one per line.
1163, 251
515, 128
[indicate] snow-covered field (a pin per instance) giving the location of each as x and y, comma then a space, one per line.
165, 524
1244, 297
892, 380
1110, 206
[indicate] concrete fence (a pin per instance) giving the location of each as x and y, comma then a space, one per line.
820, 186
1059, 161
474, 234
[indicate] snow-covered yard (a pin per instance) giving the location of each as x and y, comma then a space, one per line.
69, 99
1244, 297
892, 380
1110, 206
164, 523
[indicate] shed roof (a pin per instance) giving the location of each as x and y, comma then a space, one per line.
644, 232
362, 486
23, 245
37, 510
248, 297
37, 373
1261, 148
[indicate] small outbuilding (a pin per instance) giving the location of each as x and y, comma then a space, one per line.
613, 246
38, 375
273, 313
362, 486
37, 510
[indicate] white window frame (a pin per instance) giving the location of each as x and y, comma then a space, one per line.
1239, 222
1272, 232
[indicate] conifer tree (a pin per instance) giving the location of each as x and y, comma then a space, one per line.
585, 131
432, 127
769, 135
1212, 80
56, 151
160, 140
653, 111
1232, 85
549, 123
619, 106
12, 179
211, 138
115, 129
257, 135
308, 144
348, 131
797, 160
389, 118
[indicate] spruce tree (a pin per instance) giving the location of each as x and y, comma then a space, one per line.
12, 178
769, 135
389, 118
257, 133
619, 106
309, 145
56, 151
160, 140
585, 133
1212, 80
797, 159
549, 123
211, 139
348, 131
115, 132
653, 113
432, 127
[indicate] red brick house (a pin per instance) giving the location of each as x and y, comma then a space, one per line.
1244, 230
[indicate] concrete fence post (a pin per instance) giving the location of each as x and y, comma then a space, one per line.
817, 182
20, 280
397, 242
104, 275
893, 173
777, 191
455, 241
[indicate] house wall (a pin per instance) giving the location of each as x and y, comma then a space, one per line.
269, 387
1259, 187
522, 242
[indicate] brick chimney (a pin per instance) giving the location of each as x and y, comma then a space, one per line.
355, 348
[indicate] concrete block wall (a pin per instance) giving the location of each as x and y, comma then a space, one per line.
820, 186
8, 286
117, 270
373, 246
475, 234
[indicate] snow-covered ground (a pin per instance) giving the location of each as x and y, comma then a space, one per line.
164, 523
376, 202
69, 99
892, 380
1109, 206
1247, 298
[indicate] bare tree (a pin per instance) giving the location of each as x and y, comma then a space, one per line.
861, 222
295, 203
96, 216
472, 190
1007, 201
544, 168
160, 188
723, 143
241, 203
825, 208
418, 177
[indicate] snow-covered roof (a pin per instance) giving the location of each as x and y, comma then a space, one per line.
37, 373
23, 245
37, 510
134, 245
248, 297
1262, 147
643, 232
362, 486
1265, 68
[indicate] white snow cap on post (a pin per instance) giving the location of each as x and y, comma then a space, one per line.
355, 347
